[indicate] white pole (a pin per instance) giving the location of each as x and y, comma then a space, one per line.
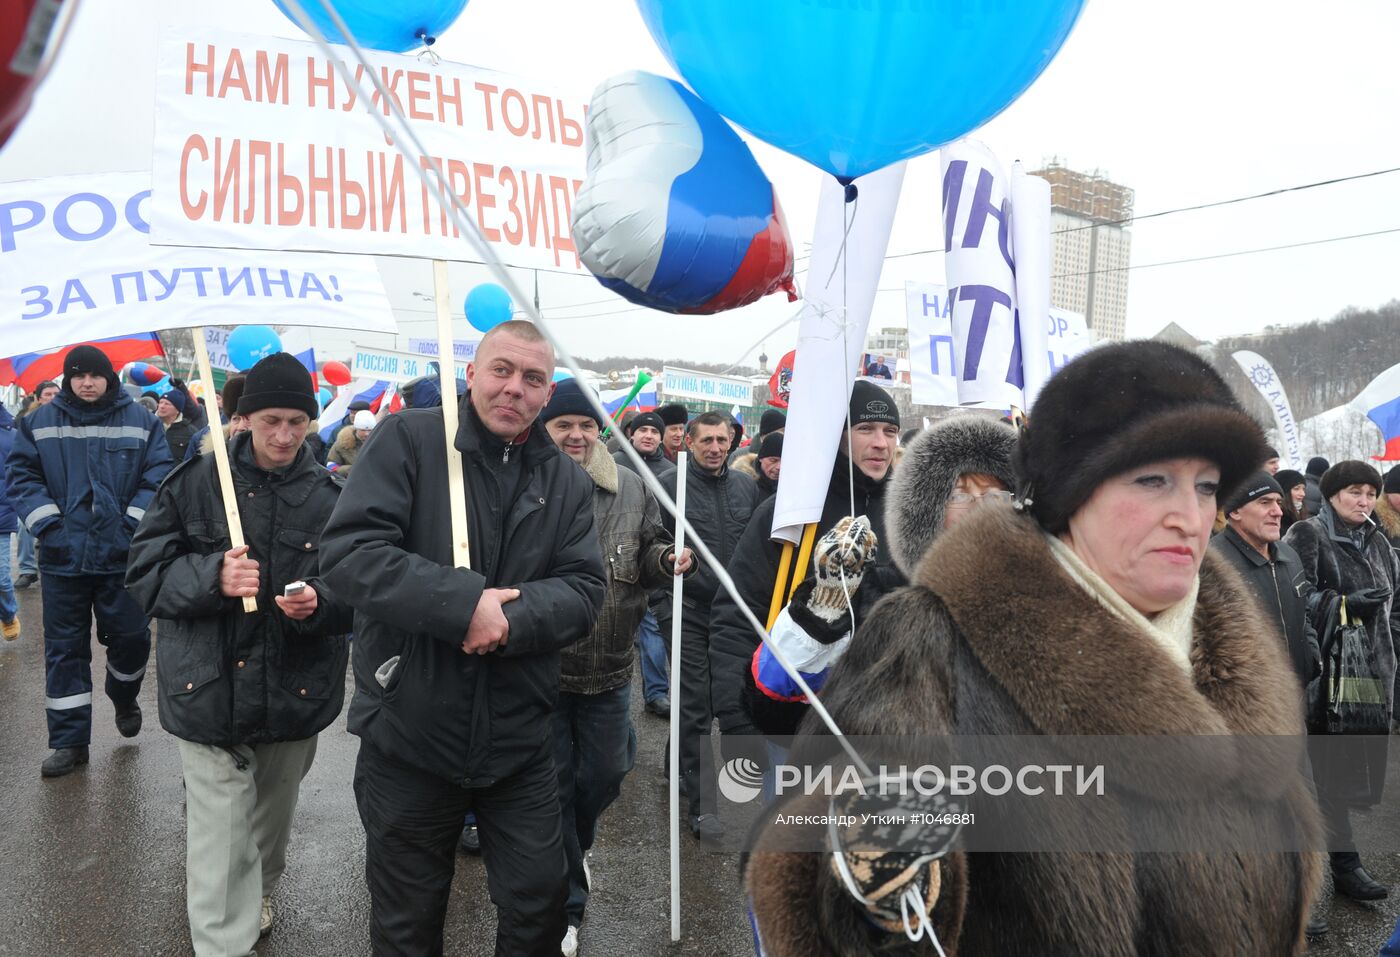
447, 367
677, 586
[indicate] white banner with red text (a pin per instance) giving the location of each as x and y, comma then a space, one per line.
259, 143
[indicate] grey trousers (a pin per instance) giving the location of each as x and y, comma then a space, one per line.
237, 821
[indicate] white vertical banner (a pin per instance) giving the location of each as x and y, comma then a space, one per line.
1263, 377
933, 380
1030, 245
933, 374
981, 271
831, 336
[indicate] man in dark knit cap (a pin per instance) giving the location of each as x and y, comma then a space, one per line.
245, 694
83, 470
645, 432
594, 741
178, 430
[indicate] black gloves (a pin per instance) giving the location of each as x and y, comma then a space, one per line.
1364, 601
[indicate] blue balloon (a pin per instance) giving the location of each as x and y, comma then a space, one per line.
488, 305
396, 25
324, 396
852, 87
248, 344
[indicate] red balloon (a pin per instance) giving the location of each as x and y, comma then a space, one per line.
335, 373
24, 28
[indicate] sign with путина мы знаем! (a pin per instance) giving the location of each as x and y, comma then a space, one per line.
703, 387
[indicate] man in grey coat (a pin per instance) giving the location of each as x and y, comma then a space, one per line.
594, 741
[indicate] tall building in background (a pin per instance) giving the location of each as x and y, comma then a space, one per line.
1089, 272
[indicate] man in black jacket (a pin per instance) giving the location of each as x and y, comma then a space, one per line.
244, 694
1274, 572
1271, 568
865, 455
457, 669
718, 503
644, 432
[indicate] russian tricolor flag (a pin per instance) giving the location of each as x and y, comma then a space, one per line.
612, 399
361, 390
1380, 401
29, 369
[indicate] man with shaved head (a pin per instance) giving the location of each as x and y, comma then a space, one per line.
457, 669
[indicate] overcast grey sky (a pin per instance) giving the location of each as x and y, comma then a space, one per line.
1187, 103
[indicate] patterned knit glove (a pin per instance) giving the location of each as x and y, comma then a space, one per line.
839, 563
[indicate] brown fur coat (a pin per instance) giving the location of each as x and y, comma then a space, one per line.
994, 638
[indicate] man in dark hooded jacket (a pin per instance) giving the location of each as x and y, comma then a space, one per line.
83, 470
457, 669
1312, 476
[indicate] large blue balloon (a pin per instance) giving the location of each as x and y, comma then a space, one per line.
853, 87
248, 344
488, 305
396, 25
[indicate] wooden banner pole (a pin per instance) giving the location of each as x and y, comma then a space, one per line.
447, 368
221, 464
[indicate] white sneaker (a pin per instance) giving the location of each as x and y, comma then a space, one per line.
568, 947
587, 876
265, 920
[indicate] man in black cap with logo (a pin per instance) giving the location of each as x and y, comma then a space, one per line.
83, 470
244, 694
864, 457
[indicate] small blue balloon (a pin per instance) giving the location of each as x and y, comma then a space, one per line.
488, 305
381, 25
854, 87
323, 395
160, 387
248, 344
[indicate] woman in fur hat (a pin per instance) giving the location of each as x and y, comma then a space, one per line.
1093, 608
1345, 553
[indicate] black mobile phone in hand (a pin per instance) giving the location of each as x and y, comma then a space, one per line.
293, 588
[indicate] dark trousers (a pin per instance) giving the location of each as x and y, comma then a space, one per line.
1341, 845
595, 746
412, 820
70, 604
696, 709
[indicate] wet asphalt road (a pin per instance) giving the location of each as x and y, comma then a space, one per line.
93, 863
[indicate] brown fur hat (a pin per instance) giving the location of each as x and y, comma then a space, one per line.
1125, 405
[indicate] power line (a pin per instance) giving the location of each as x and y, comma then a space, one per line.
1237, 199
1238, 252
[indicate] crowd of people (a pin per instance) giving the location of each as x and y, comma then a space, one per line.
1129, 561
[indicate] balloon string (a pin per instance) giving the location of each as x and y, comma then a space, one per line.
436, 183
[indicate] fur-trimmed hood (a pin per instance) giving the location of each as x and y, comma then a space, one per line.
601, 468
1388, 519
746, 463
928, 472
